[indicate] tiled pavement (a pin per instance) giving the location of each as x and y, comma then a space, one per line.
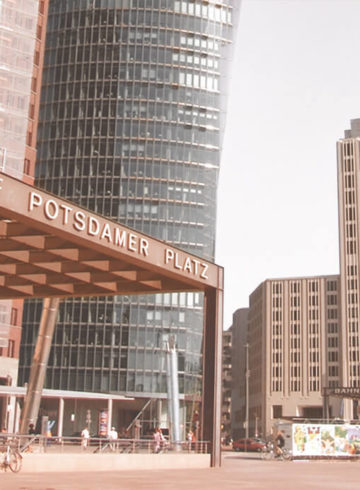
238, 471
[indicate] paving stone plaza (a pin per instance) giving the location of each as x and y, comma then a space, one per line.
240, 471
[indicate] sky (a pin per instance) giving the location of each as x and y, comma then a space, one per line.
294, 88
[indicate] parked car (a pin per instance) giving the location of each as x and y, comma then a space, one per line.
250, 444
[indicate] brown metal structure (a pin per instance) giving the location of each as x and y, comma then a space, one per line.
50, 247
40, 361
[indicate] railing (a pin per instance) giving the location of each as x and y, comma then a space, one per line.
97, 445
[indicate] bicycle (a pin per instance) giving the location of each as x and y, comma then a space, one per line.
280, 454
12, 459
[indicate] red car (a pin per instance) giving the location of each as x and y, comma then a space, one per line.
249, 444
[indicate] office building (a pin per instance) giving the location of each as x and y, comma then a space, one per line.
22, 35
348, 153
131, 123
294, 339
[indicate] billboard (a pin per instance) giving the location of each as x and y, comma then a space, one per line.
102, 424
326, 440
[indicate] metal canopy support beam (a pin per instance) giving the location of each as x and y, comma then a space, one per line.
212, 365
39, 363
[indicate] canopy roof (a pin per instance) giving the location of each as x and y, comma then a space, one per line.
51, 247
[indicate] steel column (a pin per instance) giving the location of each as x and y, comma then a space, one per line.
61, 417
39, 364
110, 416
212, 368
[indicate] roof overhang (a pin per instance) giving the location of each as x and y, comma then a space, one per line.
49, 247
20, 392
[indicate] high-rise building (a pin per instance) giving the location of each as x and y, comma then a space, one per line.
348, 152
132, 114
22, 35
294, 339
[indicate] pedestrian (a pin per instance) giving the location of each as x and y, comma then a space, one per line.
163, 441
31, 432
113, 435
189, 438
157, 440
85, 434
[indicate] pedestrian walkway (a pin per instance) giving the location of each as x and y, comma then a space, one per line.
239, 471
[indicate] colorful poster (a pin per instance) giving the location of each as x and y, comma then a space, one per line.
325, 440
103, 418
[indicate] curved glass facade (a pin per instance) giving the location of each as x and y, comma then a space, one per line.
130, 127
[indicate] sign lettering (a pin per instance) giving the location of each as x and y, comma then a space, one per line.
112, 233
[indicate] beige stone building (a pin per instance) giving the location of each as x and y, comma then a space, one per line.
348, 152
294, 346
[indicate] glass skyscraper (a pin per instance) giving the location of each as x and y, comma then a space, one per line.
131, 121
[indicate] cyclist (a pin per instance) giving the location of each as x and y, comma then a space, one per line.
279, 443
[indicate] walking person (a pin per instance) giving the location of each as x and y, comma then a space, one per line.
279, 443
163, 441
189, 438
31, 432
157, 440
85, 434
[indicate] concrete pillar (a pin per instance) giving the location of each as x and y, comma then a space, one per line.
11, 413
61, 417
110, 413
39, 364
173, 391
212, 368
17, 416
347, 410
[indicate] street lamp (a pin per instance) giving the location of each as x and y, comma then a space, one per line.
247, 375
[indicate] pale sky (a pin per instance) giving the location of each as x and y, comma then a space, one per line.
295, 87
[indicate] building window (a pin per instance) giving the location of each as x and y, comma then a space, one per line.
27, 166
277, 288
331, 285
13, 317
333, 356
11, 348
277, 411
333, 371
